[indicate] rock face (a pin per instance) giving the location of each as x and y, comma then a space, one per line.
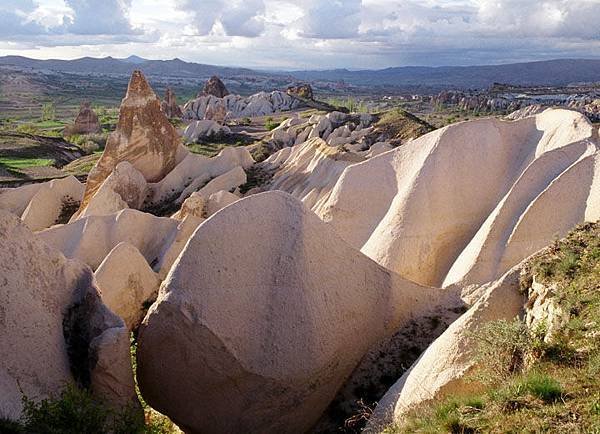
195, 171
204, 129
497, 209
86, 121
54, 328
144, 137
124, 188
43, 205
126, 282
525, 112
308, 171
335, 128
169, 106
236, 106
219, 200
265, 348
303, 91
228, 181
215, 87
90, 239
441, 368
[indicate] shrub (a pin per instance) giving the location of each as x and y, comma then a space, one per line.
568, 263
542, 386
87, 140
48, 111
73, 411
89, 147
501, 348
76, 411
271, 124
538, 385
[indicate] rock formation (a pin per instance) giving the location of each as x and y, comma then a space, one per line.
525, 112
215, 87
86, 122
90, 239
216, 113
354, 132
144, 137
496, 210
265, 348
169, 106
54, 329
237, 106
195, 171
303, 91
308, 171
228, 181
127, 283
442, 367
45, 204
125, 187
204, 129
219, 200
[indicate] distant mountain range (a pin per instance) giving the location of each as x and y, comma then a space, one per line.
552, 73
110, 65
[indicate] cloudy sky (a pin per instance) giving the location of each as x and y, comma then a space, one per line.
304, 34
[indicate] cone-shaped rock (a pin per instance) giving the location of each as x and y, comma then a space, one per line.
86, 121
169, 105
215, 87
144, 137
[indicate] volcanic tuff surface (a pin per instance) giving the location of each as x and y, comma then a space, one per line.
272, 303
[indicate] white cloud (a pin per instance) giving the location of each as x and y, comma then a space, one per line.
307, 33
106, 17
333, 19
236, 17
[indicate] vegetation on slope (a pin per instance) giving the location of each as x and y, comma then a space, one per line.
397, 126
531, 380
76, 410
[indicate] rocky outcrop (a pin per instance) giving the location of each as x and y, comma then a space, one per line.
195, 171
308, 171
215, 87
90, 239
45, 204
200, 205
127, 283
125, 187
303, 91
544, 310
219, 200
592, 110
204, 129
169, 105
496, 210
335, 128
265, 348
236, 106
525, 112
144, 137
228, 181
441, 369
86, 122
54, 328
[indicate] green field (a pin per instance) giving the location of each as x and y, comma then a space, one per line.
18, 164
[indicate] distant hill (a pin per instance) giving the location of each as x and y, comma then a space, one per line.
414, 78
110, 65
134, 59
552, 72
